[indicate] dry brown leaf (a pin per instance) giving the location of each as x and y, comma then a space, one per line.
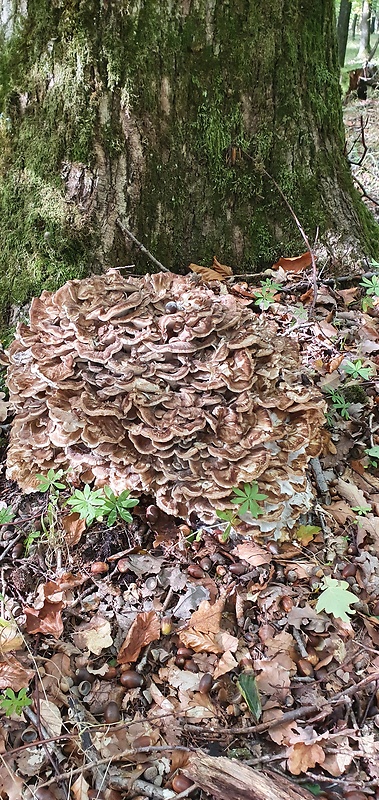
216, 272
146, 628
50, 717
94, 636
337, 763
302, 756
11, 638
80, 788
11, 785
46, 617
296, 264
226, 663
207, 618
252, 553
273, 679
341, 511
348, 295
73, 527
351, 493
280, 734
13, 675
334, 363
200, 642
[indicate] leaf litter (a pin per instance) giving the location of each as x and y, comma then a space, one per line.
140, 642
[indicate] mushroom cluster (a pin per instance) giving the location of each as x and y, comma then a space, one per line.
162, 385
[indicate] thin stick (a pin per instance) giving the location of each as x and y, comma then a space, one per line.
296, 713
306, 240
142, 247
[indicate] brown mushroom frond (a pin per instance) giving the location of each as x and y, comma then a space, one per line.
164, 385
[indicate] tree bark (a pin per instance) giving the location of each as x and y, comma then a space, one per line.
354, 26
225, 777
168, 117
343, 29
364, 44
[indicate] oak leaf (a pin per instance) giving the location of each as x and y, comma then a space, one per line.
146, 628
45, 616
13, 675
94, 636
302, 756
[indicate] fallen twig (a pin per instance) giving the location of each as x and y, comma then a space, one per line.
142, 247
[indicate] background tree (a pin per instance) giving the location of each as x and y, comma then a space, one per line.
169, 117
364, 44
343, 29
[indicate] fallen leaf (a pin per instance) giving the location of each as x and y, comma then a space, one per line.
11, 638
296, 264
45, 616
216, 272
351, 493
73, 527
10, 784
94, 636
348, 295
50, 717
337, 763
13, 675
80, 788
302, 756
146, 628
252, 553
226, 663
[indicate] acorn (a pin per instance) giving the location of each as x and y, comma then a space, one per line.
206, 683
237, 569
131, 679
186, 652
44, 794
111, 712
180, 783
191, 666
195, 571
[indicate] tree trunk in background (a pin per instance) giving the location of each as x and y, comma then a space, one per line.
364, 44
354, 26
164, 115
343, 29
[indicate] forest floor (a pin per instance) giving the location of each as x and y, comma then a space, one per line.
133, 656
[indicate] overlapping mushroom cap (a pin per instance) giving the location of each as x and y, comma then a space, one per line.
165, 386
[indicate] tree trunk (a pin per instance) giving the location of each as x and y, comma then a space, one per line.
343, 29
165, 116
364, 44
354, 26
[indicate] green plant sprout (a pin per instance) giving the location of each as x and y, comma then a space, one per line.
30, 539
362, 511
373, 453
265, 295
247, 500
372, 290
93, 504
6, 515
12, 703
87, 503
114, 506
357, 370
50, 481
339, 404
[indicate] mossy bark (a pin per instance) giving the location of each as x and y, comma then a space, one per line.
164, 115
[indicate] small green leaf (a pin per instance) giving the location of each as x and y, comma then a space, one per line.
249, 690
336, 599
6, 515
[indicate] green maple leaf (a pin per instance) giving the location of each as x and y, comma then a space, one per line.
336, 599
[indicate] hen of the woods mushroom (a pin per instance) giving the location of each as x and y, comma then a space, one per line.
164, 386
